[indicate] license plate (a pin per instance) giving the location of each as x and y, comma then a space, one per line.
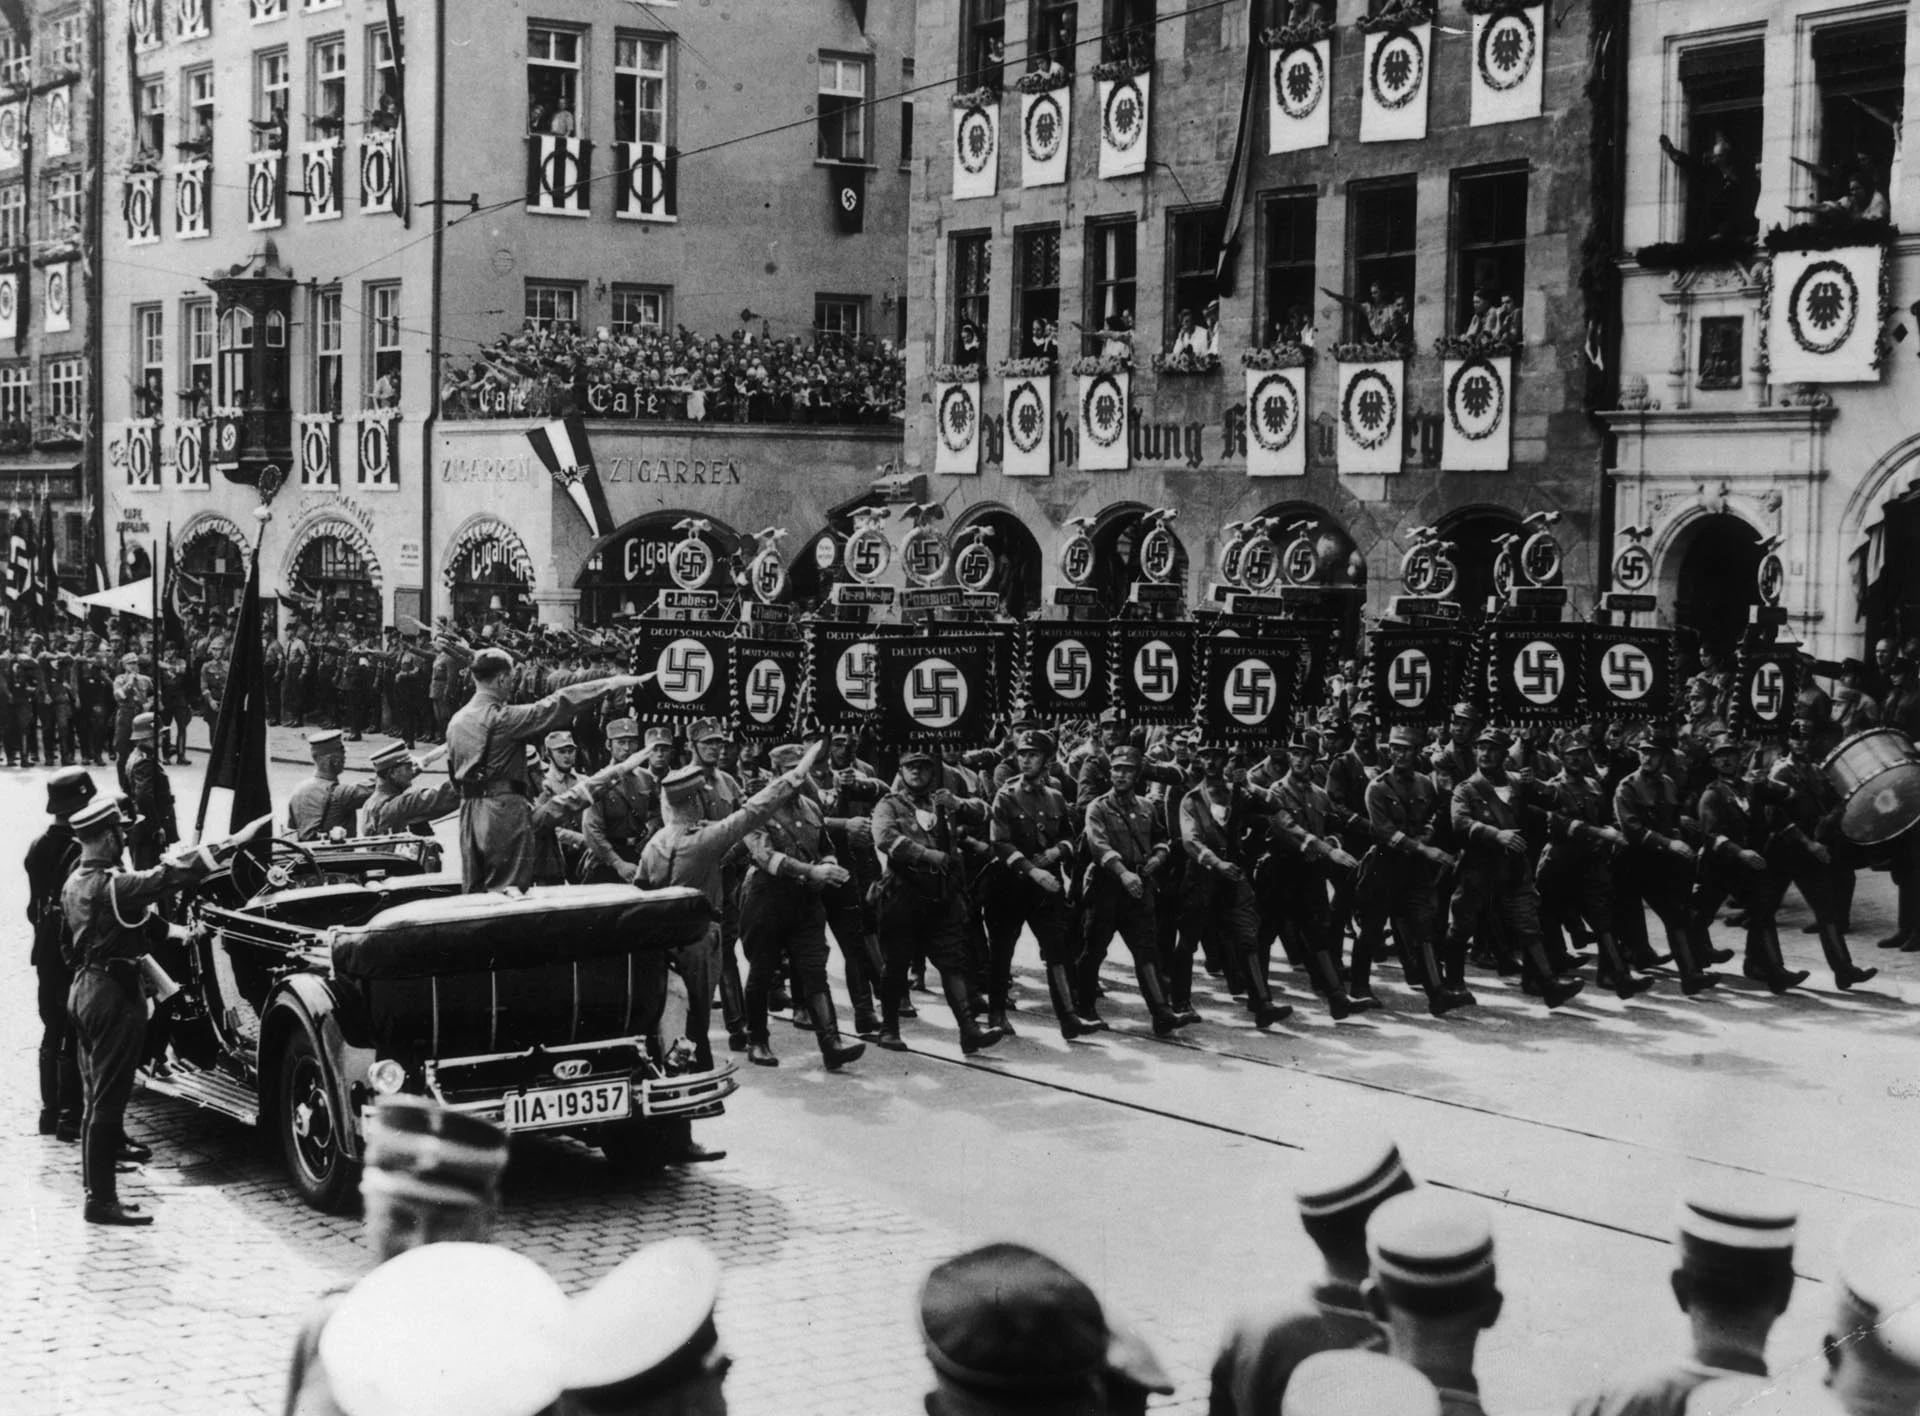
568, 1106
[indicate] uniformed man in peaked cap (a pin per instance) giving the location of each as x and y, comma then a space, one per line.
643, 1340
398, 802
323, 803
1432, 1282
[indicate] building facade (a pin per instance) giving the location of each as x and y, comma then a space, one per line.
1768, 327
1394, 209
49, 266
356, 273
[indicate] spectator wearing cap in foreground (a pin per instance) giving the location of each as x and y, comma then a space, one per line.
1430, 1255
1265, 1345
1357, 1384
485, 756
1009, 1330
1733, 1280
431, 1175
1873, 1343
643, 1341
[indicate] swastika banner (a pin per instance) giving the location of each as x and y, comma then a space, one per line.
689, 663
843, 672
1416, 674
764, 676
1630, 673
941, 687
1765, 686
1154, 671
1066, 670
1250, 687
1534, 673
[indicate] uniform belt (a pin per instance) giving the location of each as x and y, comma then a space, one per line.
471, 792
110, 966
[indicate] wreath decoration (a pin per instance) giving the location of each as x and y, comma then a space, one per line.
1488, 421
1389, 46
1125, 120
1801, 305
1105, 432
1503, 23
1365, 382
1298, 107
1277, 392
1025, 396
1043, 127
958, 418
975, 143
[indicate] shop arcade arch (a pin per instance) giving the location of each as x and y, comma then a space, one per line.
626, 570
1476, 532
1705, 564
1021, 566
1880, 537
332, 574
487, 572
1339, 566
211, 555
1116, 553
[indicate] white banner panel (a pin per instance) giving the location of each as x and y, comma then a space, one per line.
1123, 125
1277, 422
1298, 99
9, 306
1824, 322
1370, 413
976, 151
58, 305
1104, 399
1029, 409
956, 414
1393, 96
1044, 122
1509, 53
1478, 393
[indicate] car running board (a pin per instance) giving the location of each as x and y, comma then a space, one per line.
202, 1086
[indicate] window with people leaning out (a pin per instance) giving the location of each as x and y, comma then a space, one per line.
1112, 283
1036, 296
1287, 256
553, 81
969, 280
1717, 154
1859, 72
1379, 298
1053, 32
1489, 254
1193, 257
1127, 36
983, 43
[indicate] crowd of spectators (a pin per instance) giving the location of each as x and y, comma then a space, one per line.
547, 369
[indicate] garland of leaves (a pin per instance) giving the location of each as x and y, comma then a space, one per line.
1416, 12
1114, 70
1475, 346
1685, 255
956, 373
1301, 35
1818, 236
975, 98
1372, 351
1186, 362
1088, 365
1044, 80
1039, 368
1497, 7
1277, 356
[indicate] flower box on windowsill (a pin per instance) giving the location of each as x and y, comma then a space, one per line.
1830, 235
1277, 356
1685, 255
956, 373
58, 437
1405, 17
1044, 80
1476, 346
1112, 71
1302, 35
1091, 365
1496, 7
1372, 351
975, 98
57, 80
1025, 368
15, 437
1185, 364
58, 253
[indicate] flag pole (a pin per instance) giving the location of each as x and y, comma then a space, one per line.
154, 584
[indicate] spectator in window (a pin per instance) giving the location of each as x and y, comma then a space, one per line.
1732, 187
1211, 330
1863, 202
1294, 327
1190, 340
1042, 339
1507, 315
969, 342
386, 390
1481, 318
1383, 318
561, 124
386, 117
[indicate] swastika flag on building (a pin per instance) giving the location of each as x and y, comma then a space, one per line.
942, 687
689, 664
1250, 687
1065, 670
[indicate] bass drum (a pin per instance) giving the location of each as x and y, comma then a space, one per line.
1877, 775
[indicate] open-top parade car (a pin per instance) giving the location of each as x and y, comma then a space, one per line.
319, 975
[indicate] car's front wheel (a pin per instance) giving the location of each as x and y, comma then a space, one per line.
310, 1126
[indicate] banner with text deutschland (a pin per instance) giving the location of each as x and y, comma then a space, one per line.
1765, 685
1153, 668
842, 663
689, 663
1631, 673
1250, 686
1066, 670
1534, 672
938, 688
763, 678
1416, 673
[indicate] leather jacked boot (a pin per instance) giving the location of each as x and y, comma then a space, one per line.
1846, 974
1165, 1024
1614, 970
1780, 978
1259, 997
49, 1091
759, 1045
835, 1052
973, 1037
1327, 974
1060, 991
889, 1037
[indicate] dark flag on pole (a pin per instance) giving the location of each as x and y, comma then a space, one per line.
848, 186
49, 576
170, 629
20, 568
238, 760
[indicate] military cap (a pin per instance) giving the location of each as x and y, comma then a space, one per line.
96, 817
390, 756
1737, 1232
1187, 737
659, 737
841, 735
1800, 730
324, 739
1404, 736
1657, 740
1303, 743
1353, 1178
1358, 1383
1358, 711
1112, 715
622, 728
418, 1149
450, 1329
1466, 712
1035, 740
1491, 736
68, 790
1003, 1319
560, 738
491, 661
129, 661
1132, 756
1132, 1364
706, 730
683, 782
1431, 1250
1576, 740
143, 724
1725, 742
1214, 747
916, 754
647, 1325
786, 756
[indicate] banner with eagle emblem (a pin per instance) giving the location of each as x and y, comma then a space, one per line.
1825, 313
1370, 416
1393, 96
1509, 55
1478, 392
1044, 127
976, 150
1277, 422
956, 418
1103, 420
1299, 105
1066, 671
1123, 124
1029, 426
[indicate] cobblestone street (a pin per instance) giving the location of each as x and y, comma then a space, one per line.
1161, 1171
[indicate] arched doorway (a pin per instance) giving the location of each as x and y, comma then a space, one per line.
626, 571
1014, 546
336, 584
1116, 558
212, 566
488, 574
1707, 577
1476, 533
